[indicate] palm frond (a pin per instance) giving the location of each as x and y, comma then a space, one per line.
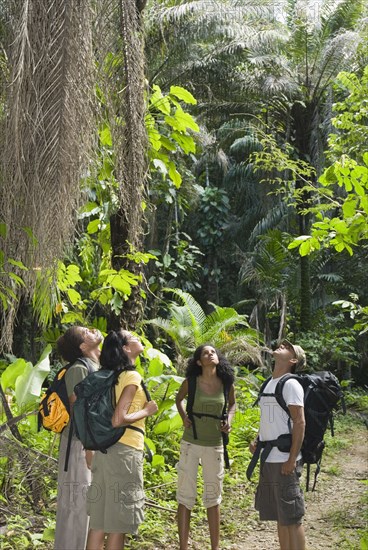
220, 324
272, 219
345, 15
193, 308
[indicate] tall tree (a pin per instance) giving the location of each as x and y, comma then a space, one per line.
277, 65
121, 61
45, 131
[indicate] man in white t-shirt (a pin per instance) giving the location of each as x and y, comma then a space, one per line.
279, 496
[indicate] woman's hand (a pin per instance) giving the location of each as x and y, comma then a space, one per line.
89, 457
150, 407
187, 422
225, 427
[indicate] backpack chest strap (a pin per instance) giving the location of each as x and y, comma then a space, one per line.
283, 443
200, 415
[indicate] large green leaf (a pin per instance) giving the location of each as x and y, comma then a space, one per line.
183, 94
28, 385
12, 372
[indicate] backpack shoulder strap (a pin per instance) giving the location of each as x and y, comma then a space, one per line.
226, 399
225, 436
279, 389
85, 362
260, 393
192, 384
145, 389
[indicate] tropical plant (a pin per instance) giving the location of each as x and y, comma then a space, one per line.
342, 213
269, 273
187, 326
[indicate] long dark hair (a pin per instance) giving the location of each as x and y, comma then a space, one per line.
113, 357
223, 370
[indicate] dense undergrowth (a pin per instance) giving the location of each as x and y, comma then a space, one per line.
28, 496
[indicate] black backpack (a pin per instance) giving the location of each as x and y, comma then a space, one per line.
192, 384
94, 408
322, 394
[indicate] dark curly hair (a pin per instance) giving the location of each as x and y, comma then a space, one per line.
113, 357
68, 344
223, 369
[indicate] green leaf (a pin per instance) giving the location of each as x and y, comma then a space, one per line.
158, 461
162, 427
169, 145
18, 280
93, 226
28, 386
305, 248
121, 285
364, 203
105, 136
183, 94
349, 207
328, 176
18, 263
186, 120
156, 367
74, 296
3, 230
116, 303
185, 142
12, 372
174, 175
48, 534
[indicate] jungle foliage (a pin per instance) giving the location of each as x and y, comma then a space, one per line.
193, 170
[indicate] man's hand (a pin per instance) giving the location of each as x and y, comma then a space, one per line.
253, 446
288, 467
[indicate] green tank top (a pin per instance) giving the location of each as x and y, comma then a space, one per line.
208, 429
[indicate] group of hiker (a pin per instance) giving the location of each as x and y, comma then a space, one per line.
100, 494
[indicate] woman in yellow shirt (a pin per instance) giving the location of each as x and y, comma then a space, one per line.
115, 497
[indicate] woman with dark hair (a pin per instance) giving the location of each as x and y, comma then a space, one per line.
204, 444
79, 346
115, 497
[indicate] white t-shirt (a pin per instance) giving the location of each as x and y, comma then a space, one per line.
274, 420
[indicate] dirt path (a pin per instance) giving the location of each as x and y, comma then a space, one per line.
336, 501
334, 512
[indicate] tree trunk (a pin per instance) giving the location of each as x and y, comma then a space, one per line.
127, 223
303, 117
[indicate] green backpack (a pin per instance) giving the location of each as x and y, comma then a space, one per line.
94, 408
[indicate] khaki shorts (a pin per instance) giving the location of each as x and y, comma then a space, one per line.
115, 498
212, 460
279, 497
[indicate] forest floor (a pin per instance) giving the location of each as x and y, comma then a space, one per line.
336, 512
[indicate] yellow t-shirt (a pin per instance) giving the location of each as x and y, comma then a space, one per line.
132, 437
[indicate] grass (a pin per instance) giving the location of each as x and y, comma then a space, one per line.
352, 525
